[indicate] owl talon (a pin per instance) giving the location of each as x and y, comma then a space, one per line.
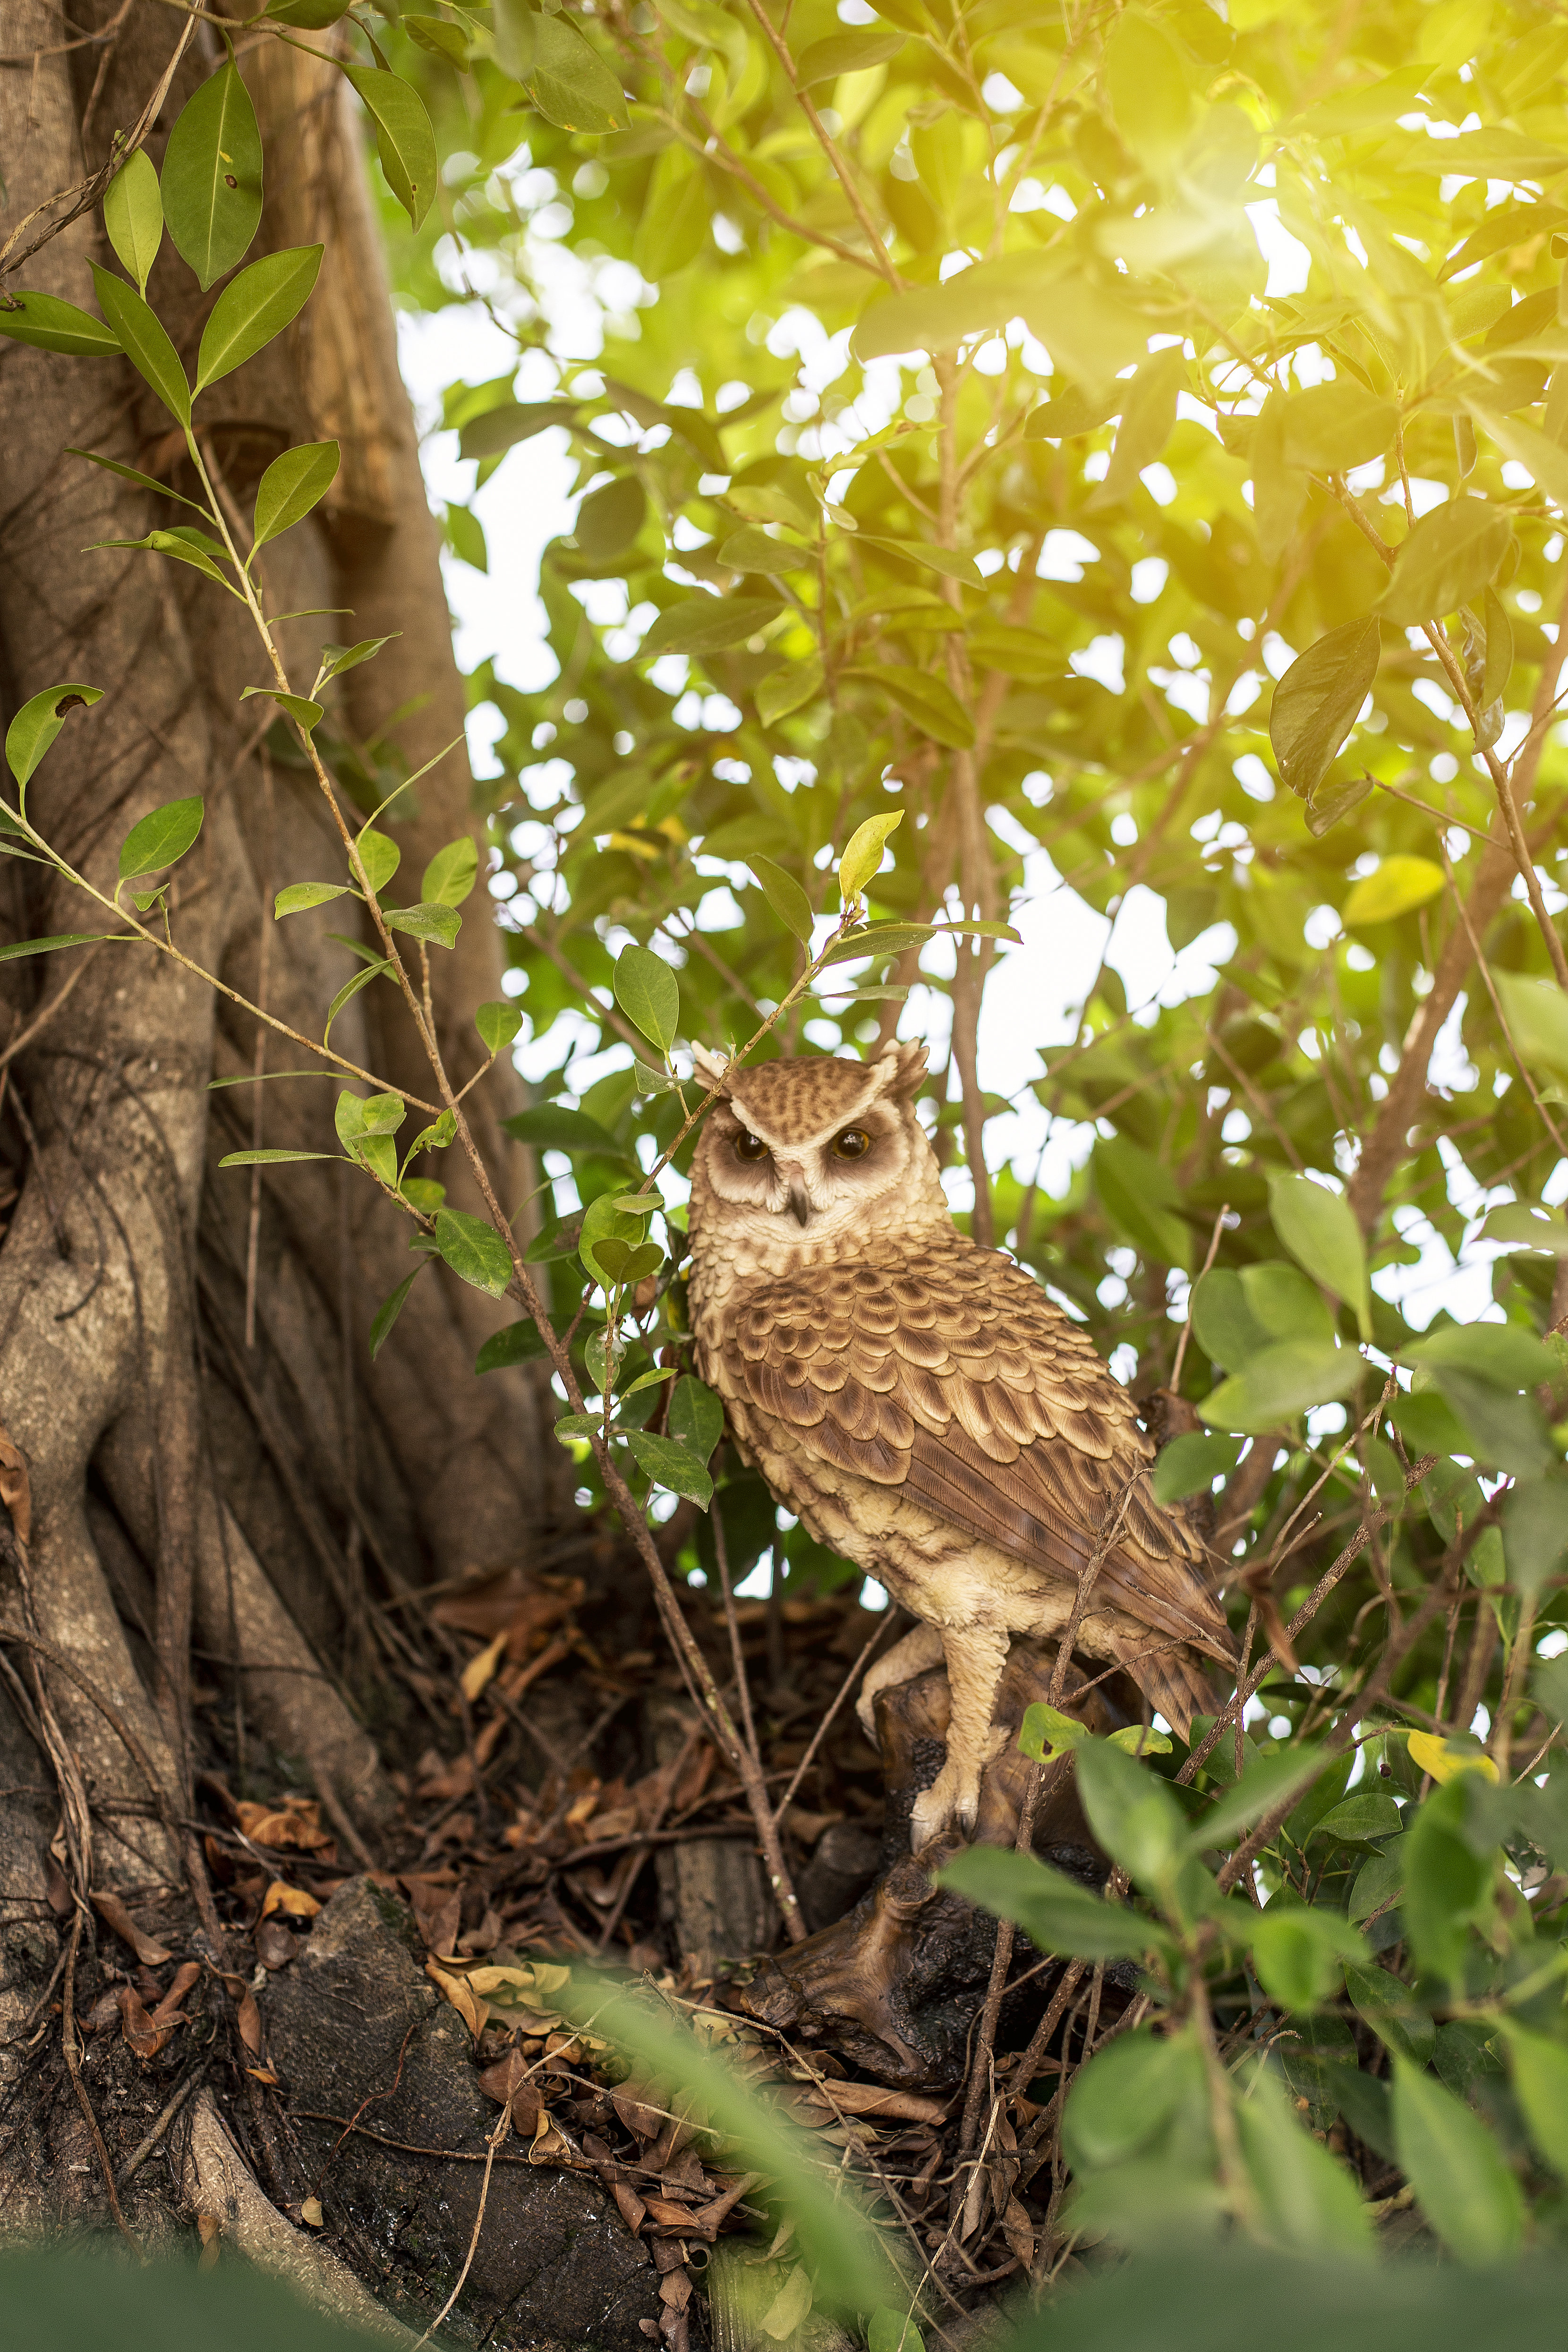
952, 1801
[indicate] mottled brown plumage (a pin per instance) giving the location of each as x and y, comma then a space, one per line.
924, 1406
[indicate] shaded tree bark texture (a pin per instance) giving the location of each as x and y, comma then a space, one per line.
254, 1496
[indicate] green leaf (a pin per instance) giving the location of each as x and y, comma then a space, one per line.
785, 896
1542, 459
212, 176
790, 689
451, 874
863, 854
20, 948
670, 1463
291, 486
1388, 2008
1357, 1820
569, 83
696, 1416
1448, 1885
1461, 2178
379, 855
1046, 1732
844, 53
1089, 328
520, 1343
604, 1221
305, 713
1539, 2068
707, 625
142, 482
298, 896
404, 138
497, 1024
753, 550
1259, 1790
1300, 1954
610, 517
143, 341
441, 39
1148, 420
1535, 1532
48, 324
1128, 2094
162, 837
336, 659
1279, 1382
431, 921
1330, 427
923, 698
551, 1127
1278, 489
1537, 1015
1133, 1815
37, 723
1503, 1353
269, 1157
1399, 884
350, 988
474, 1251
1316, 702
465, 537
1189, 1466
1319, 1229
648, 993
1307, 2203
1449, 556
1053, 1911
391, 1308
257, 306
1142, 1199
133, 216
891, 2331
624, 1264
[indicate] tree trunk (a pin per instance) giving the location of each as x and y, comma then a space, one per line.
215, 1462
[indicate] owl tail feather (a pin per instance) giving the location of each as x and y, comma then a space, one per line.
1176, 1686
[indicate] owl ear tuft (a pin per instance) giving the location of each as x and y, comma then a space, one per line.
710, 1068
904, 1059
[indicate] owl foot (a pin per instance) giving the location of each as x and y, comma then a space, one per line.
920, 1650
953, 1801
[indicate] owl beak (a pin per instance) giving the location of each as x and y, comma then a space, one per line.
799, 1205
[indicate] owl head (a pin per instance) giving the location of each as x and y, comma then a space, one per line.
808, 1149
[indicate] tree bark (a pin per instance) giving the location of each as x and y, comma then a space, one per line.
255, 1494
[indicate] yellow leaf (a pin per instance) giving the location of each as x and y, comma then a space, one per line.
292, 1899
1442, 1760
310, 2211
1399, 884
477, 1671
473, 2012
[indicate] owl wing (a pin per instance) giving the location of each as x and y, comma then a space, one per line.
948, 1373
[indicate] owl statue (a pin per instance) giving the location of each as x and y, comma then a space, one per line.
921, 1405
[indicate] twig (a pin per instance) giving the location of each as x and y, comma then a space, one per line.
72, 2050
502, 2126
145, 2148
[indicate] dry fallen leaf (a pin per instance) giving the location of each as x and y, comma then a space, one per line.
15, 1489
310, 2211
871, 2099
275, 1946
263, 2074
479, 1669
789, 2306
1019, 2230
474, 2012
206, 2223
147, 1949
291, 1899
297, 1822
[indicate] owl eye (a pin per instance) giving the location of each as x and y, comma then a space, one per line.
750, 1147
853, 1144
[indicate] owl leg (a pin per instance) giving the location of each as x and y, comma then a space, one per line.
975, 1657
920, 1650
